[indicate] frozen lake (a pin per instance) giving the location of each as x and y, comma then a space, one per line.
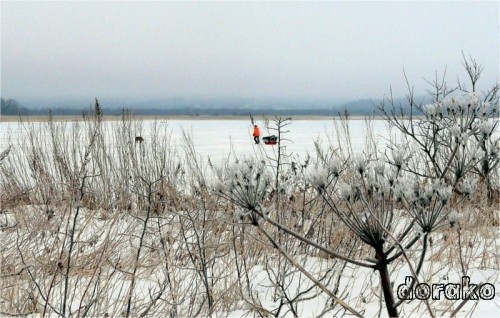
219, 138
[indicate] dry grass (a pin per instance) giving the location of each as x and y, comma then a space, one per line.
95, 227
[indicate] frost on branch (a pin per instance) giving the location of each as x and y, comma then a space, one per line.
248, 185
317, 176
399, 157
453, 218
468, 186
426, 202
457, 138
486, 128
360, 164
321, 174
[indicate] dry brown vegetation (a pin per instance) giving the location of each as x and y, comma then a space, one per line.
90, 229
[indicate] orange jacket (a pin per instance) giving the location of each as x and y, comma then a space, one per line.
256, 131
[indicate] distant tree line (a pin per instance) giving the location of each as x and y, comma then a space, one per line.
358, 107
12, 107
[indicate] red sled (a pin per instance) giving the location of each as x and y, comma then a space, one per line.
270, 140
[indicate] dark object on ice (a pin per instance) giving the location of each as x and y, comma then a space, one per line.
270, 140
139, 139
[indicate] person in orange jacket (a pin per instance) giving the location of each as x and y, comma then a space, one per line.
256, 134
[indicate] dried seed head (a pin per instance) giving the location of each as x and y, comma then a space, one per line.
317, 177
360, 164
453, 218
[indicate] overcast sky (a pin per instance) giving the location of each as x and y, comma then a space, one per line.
338, 50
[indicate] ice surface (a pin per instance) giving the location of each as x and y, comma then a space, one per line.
218, 139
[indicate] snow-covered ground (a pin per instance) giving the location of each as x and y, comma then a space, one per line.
217, 139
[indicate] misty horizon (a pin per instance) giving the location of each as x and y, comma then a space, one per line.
323, 51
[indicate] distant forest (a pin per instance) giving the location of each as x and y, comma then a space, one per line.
358, 107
